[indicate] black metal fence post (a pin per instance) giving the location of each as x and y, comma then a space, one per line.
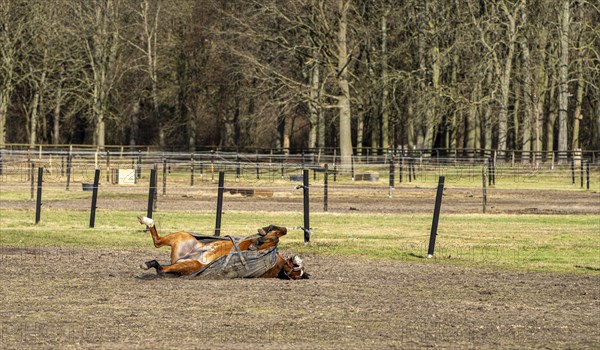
325, 188
201, 165
38, 204
334, 165
164, 177
212, 167
219, 203
192, 170
151, 193
135, 179
69, 168
581, 170
587, 175
401, 165
139, 165
494, 167
108, 166
490, 172
414, 171
483, 175
392, 172
257, 168
32, 177
436, 217
155, 196
94, 198
305, 185
572, 170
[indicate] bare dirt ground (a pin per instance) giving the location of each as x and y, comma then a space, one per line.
403, 200
74, 298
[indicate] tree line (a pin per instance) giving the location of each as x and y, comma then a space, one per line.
426, 74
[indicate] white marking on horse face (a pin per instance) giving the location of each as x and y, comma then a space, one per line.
297, 261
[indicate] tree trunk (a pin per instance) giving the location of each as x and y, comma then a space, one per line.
577, 114
456, 137
135, 120
150, 34
487, 118
103, 54
539, 93
191, 131
551, 119
433, 109
411, 127
527, 90
313, 140
385, 110
33, 134
516, 112
472, 118
563, 87
597, 136
420, 122
360, 133
4, 99
505, 88
287, 131
342, 80
56, 116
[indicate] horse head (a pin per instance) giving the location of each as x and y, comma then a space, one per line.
293, 269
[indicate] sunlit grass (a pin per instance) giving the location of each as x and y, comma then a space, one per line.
566, 243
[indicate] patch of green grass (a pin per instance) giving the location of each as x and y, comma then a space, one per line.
566, 243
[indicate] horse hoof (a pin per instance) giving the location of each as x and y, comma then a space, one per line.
151, 263
143, 266
146, 221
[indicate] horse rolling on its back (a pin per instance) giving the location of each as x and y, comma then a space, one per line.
189, 253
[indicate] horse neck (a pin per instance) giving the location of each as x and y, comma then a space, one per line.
280, 264
155, 237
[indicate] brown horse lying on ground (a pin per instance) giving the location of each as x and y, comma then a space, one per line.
192, 252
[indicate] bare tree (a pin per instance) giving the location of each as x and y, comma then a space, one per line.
102, 45
13, 26
563, 87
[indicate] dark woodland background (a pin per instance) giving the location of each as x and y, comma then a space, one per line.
187, 74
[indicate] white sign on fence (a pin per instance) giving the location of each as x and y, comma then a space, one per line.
126, 176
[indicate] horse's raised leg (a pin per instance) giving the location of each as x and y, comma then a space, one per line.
181, 243
269, 237
181, 268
